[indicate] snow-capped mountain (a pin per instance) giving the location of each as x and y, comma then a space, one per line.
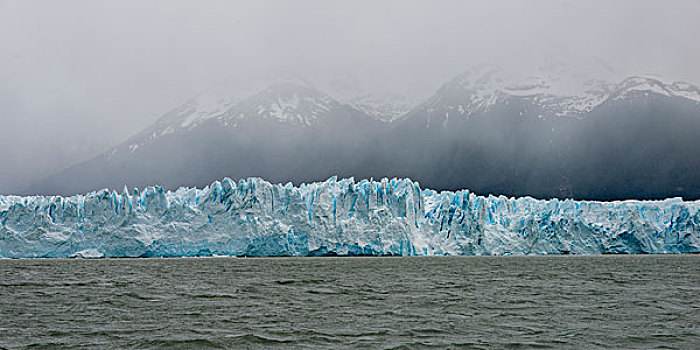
210, 104
284, 132
381, 103
206, 106
484, 87
385, 107
292, 102
554, 131
554, 90
654, 85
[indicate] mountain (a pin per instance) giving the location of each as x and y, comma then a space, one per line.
549, 135
376, 101
286, 132
555, 131
385, 107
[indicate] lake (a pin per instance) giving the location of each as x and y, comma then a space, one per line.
577, 302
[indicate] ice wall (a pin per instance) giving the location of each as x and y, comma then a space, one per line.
387, 217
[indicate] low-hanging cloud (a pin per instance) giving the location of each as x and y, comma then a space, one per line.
77, 77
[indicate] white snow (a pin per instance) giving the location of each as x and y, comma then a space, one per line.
167, 130
553, 86
563, 89
386, 107
210, 104
285, 108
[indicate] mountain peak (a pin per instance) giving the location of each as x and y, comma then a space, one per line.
291, 102
558, 88
209, 104
649, 84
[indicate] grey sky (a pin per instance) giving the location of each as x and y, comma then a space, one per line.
77, 77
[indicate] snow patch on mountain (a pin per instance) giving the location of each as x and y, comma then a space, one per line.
385, 107
285, 102
207, 105
559, 89
552, 86
656, 85
382, 103
291, 101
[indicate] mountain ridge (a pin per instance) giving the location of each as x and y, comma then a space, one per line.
478, 131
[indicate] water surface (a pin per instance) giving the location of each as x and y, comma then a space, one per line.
386, 303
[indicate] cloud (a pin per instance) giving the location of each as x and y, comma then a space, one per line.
77, 77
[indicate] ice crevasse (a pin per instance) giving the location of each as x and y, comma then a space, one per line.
336, 217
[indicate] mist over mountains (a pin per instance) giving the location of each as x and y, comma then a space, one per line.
554, 132
80, 79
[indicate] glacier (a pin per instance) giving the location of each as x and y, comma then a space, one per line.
253, 217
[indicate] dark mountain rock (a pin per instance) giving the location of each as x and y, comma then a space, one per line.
636, 139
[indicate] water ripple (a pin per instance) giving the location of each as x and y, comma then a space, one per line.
382, 303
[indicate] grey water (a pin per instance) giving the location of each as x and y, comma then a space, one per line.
630, 302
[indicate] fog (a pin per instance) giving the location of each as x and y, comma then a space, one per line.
77, 77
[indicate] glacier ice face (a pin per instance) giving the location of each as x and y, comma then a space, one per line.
389, 217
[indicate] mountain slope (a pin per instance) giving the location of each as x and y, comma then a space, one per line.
287, 132
633, 139
546, 134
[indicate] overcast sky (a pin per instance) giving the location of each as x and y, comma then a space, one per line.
77, 77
